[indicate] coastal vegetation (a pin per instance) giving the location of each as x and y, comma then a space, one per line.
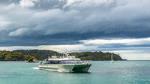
31, 55
97, 56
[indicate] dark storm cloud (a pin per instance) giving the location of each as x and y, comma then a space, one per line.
40, 22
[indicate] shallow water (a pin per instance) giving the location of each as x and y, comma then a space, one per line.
102, 72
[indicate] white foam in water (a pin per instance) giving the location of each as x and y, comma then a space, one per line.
35, 67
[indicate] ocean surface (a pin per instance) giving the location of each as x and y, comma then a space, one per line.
101, 72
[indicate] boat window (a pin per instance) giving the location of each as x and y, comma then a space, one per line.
53, 62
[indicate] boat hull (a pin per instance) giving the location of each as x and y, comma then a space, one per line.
74, 68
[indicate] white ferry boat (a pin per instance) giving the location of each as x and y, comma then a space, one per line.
65, 63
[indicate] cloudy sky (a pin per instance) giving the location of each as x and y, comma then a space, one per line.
120, 26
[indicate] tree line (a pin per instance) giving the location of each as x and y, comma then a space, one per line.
30, 55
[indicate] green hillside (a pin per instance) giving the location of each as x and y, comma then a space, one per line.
22, 55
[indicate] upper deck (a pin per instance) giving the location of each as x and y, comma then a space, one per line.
71, 58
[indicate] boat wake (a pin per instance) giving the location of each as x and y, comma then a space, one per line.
36, 68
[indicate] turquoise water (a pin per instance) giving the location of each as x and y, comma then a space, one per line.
125, 72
